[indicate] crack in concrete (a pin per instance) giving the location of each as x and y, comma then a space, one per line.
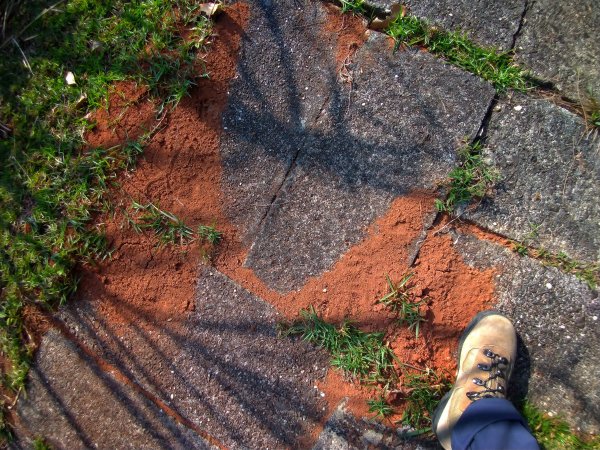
275, 196
521, 23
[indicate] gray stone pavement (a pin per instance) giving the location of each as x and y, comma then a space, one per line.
310, 160
74, 404
556, 316
550, 178
392, 145
223, 369
559, 43
343, 431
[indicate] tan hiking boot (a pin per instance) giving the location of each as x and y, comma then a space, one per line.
487, 351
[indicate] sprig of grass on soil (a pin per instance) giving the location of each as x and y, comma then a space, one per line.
169, 228
353, 6
401, 301
210, 234
363, 356
553, 433
492, 65
472, 179
380, 407
49, 186
423, 393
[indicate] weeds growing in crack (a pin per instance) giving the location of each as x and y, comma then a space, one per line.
472, 179
353, 6
401, 301
488, 63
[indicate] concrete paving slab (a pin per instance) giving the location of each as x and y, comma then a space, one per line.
73, 404
556, 316
223, 368
395, 131
493, 23
284, 75
345, 432
550, 178
559, 43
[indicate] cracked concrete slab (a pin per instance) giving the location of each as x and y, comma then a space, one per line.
492, 23
550, 178
556, 316
285, 72
559, 43
343, 431
73, 404
223, 368
394, 131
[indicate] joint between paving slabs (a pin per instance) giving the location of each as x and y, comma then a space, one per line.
521, 23
538, 88
118, 376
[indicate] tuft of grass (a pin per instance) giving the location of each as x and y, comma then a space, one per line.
589, 273
166, 226
401, 301
49, 187
380, 407
492, 65
353, 6
472, 179
210, 234
363, 356
554, 433
169, 228
423, 392
39, 443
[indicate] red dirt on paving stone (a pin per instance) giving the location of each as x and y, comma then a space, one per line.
181, 172
348, 31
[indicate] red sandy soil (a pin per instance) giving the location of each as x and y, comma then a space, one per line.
181, 171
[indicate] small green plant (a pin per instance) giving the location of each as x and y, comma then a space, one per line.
380, 407
363, 356
401, 301
488, 63
423, 392
553, 433
39, 443
169, 228
166, 226
520, 248
353, 6
472, 179
210, 234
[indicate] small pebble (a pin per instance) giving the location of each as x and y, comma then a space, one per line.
548, 285
518, 108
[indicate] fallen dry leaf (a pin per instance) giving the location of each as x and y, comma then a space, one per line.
380, 24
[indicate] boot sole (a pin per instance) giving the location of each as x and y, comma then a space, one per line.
437, 414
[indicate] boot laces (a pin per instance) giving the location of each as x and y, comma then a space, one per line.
494, 385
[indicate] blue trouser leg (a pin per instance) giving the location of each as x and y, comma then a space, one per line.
492, 424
